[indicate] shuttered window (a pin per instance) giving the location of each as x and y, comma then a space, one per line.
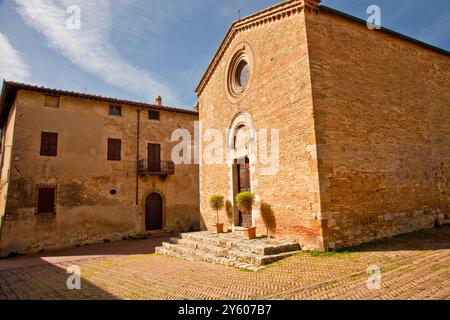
154, 157
49, 144
114, 149
115, 110
154, 115
51, 101
46, 200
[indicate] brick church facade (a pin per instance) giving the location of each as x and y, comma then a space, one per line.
363, 118
360, 119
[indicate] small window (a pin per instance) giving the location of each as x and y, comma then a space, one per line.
114, 149
115, 110
46, 200
154, 115
51, 101
49, 144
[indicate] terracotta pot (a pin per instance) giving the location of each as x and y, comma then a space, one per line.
250, 233
219, 227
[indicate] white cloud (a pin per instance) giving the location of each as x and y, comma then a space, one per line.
12, 65
90, 47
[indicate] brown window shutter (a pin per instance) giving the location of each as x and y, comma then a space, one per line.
49, 144
118, 150
110, 149
154, 157
46, 200
114, 149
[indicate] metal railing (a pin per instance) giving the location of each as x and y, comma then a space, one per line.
167, 168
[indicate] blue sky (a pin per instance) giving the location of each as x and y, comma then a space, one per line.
137, 49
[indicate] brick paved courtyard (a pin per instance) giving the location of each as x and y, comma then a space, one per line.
414, 266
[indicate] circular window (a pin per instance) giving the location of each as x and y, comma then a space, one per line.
242, 73
113, 192
239, 73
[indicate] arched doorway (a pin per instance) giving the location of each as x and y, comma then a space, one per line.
241, 145
153, 212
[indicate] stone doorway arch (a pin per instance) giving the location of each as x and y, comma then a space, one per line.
242, 156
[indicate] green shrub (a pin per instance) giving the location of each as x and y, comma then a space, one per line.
245, 201
216, 202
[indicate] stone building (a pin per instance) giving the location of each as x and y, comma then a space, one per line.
79, 169
363, 118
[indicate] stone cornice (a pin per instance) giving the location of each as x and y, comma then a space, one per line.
277, 12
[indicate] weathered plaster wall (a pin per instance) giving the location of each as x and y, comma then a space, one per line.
7, 152
86, 211
278, 97
382, 113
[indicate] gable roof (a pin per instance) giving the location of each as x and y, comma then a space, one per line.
280, 11
11, 88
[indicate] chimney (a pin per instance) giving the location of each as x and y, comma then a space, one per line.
158, 101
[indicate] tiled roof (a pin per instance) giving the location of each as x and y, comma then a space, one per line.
10, 88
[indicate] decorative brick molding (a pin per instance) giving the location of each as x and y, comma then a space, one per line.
277, 12
242, 52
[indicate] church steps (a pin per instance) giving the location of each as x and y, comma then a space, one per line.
229, 249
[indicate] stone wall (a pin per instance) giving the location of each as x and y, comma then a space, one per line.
382, 115
86, 210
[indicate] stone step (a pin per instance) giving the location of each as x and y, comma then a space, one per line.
191, 248
210, 258
259, 260
199, 237
200, 246
230, 249
265, 249
262, 246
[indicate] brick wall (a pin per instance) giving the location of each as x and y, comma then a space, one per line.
382, 115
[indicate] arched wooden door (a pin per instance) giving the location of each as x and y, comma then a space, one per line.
154, 212
243, 168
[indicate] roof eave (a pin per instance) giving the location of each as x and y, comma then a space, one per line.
24, 86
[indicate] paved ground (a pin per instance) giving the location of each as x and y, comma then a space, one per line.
415, 266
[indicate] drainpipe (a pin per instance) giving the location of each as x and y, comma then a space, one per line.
138, 139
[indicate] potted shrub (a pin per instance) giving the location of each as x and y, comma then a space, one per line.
245, 202
217, 202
